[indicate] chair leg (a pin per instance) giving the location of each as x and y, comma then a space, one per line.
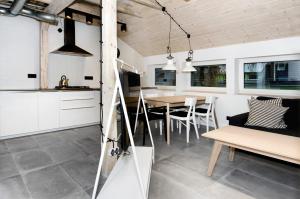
160, 127
187, 131
199, 121
172, 129
155, 123
207, 123
214, 120
177, 123
179, 127
196, 129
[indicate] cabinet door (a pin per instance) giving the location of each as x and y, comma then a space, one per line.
18, 113
48, 110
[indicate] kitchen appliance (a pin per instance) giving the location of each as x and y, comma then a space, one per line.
73, 88
69, 47
64, 82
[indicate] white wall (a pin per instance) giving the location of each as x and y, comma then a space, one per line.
75, 68
229, 102
19, 52
130, 56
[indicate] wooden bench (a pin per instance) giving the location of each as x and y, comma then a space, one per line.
277, 146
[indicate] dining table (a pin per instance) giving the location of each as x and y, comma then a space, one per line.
169, 102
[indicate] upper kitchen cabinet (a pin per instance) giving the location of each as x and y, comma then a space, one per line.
19, 53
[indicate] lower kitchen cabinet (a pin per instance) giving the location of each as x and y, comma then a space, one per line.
18, 113
34, 112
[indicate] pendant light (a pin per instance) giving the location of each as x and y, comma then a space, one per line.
188, 64
170, 64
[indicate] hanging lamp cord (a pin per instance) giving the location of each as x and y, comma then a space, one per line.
169, 44
188, 35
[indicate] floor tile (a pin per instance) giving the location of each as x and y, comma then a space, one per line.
48, 139
82, 170
164, 188
21, 144
259, 187
3, 148
7, 166
271, 173
88, 145
13, 188
64, 152
50, 183
32, 159
78, 195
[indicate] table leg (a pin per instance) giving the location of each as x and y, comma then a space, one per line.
214, 157
231, 154
168, 124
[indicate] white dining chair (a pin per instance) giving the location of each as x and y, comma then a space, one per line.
185, 117
206, 112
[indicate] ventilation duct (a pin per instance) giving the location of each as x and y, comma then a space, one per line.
17, 8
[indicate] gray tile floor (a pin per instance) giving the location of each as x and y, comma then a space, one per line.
63, 165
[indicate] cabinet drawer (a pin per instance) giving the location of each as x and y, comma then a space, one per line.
76, 104
66, 96
71, 117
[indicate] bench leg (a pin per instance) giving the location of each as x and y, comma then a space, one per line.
231, 154
214, 157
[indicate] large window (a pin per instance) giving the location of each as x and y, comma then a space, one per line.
209, 76
280, 75
165, 77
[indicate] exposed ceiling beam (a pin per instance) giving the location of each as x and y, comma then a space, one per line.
57, 6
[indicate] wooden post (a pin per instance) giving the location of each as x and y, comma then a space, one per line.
44, 55
109, 37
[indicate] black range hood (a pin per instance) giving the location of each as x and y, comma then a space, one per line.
69, 47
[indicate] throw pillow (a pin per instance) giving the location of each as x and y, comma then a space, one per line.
266, 115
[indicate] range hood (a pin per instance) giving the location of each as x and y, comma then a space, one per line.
69, 47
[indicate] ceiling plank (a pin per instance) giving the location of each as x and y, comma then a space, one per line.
57, 6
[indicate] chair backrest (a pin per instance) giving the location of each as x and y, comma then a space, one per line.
191, 103
210, 101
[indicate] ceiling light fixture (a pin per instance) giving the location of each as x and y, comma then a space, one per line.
123, 27
89, 19
170, 64
68, 13
188, 64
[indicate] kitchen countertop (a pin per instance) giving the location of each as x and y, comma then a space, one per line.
51, 90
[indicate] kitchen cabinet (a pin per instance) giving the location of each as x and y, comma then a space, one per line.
18, 113
36, 112
48, 110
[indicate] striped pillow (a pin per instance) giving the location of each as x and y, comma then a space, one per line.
266, 115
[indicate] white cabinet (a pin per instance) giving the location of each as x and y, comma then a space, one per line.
78, 109
48, 110
28, 112
18, 113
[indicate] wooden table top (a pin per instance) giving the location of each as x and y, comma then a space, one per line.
278, 144
172, 99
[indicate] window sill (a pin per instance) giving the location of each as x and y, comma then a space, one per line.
271, 93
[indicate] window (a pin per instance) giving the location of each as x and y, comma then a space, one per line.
165, 77
209, 76
279, 75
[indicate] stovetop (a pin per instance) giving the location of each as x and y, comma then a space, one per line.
72, 88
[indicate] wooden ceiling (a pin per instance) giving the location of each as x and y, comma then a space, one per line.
211, 23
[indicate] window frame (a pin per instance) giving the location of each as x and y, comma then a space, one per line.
164, 86
275, 92
205, 88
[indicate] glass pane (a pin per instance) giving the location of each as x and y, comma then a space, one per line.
165, 77
280, 75
209, 76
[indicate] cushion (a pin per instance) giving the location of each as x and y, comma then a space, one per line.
266, 115
179, 113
